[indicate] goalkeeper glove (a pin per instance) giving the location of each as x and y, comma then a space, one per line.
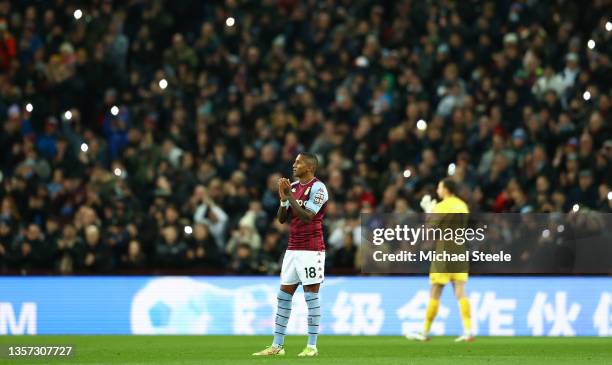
428, 204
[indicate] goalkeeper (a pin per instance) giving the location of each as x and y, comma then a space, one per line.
440, 273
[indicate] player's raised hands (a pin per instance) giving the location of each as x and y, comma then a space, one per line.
280, 190
286, 186
283, 188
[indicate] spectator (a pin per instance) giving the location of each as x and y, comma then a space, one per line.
32, 251
270, 197
6, 243
345, 256
203, 250
134, 258
209, 213
180, 53
549, 81
66, 253
246, 234
47, 143
171, 249
94, 255
270, 254
242, 260
585, 193
8, 47
350, 223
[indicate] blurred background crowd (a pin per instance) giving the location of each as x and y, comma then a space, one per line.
148, 136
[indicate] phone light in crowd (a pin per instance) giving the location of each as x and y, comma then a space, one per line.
114, 110
163, 84
84, 147
362, 61
230, 21
29, 107
560, 228
575, 208
68, 115
421, 125
188, 230
586, 96
591, 44
117, 172
609, 26
78, 14
451, 169
610, 195
407, 173
545, 233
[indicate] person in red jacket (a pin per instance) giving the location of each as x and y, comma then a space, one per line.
8, 46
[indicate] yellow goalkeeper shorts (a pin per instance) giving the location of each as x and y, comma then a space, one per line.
444, 278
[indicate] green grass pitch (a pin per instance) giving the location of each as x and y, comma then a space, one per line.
355, 350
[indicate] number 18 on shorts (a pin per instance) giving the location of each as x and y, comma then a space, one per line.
305, 267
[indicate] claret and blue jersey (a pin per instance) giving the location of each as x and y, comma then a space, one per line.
308, 236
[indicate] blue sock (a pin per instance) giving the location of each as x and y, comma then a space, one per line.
314, 315
283, 312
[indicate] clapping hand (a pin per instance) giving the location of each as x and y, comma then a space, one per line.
284, 188
427, 203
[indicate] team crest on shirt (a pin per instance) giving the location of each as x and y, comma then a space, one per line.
307, 191
293, 190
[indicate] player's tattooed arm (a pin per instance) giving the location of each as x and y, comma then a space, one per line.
282, 212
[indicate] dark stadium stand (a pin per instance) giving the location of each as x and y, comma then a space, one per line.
146, 137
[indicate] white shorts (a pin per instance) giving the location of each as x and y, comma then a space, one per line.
305, 267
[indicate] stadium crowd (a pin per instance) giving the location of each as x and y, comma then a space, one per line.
140, 136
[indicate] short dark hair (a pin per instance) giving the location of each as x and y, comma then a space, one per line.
312, 159
450, 185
